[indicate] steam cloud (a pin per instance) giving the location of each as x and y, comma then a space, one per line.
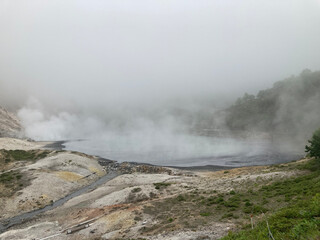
150, 68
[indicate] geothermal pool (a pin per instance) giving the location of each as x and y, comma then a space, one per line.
183, 150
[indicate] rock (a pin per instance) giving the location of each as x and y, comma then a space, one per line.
9, 124
132, 167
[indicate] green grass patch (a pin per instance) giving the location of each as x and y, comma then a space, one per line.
136, 190
12, 181
7, 177
300, 217
21, 155
161, 185
284, 201
205, 214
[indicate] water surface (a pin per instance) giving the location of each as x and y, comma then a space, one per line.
186, 150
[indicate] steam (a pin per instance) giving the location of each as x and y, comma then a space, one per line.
168, 137
298, 111
41, 125
148, 70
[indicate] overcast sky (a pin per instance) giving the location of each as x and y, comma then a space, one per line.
137, 52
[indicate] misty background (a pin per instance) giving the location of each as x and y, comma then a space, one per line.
149, 75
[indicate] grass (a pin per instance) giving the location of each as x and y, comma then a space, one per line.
6, 177
9, 156
135, 190
297, 221
161, 185
300, 218
205, 214
11, 181
286, 202
21, 155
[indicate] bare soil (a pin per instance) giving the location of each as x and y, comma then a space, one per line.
173, 204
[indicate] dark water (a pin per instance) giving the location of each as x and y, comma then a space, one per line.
7, 223
186, 150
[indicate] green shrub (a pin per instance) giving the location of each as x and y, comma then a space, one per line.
21, 155
227, 215
205, 214
314, 148
181, 198
135, 190
161, 185
299, 230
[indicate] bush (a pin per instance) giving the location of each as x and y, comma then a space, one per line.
205, 214
135, 190
161, 185
181, 198
314, 148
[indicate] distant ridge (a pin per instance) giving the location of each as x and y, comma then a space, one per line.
290, 108
9, 124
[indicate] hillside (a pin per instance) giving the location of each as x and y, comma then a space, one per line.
290, 108
9, 124
156, 205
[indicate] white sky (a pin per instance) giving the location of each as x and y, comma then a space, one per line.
123, 52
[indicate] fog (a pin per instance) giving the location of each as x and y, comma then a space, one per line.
91, 69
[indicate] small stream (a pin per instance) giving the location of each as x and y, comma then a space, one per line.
7, 223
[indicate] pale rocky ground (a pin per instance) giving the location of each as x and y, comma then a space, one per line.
115, 210
9, 124
116, 207
51, 178
14, 143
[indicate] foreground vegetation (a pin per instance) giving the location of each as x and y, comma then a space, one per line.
291, 206
9, 157
300, 219
11, 182
21, 155
313, 149
12, 179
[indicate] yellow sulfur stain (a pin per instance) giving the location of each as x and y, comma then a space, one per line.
69, 176
118, 220
43, 196
96, 170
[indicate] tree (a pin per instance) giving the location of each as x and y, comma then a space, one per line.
314, 148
